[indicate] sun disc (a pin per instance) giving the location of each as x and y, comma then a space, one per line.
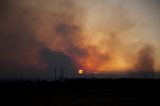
81, 72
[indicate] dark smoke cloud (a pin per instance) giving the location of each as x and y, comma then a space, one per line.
58, 61
37, 36
19, 47
3, 8
145, 59
18, 44
22, 52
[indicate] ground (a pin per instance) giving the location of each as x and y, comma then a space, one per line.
80, 92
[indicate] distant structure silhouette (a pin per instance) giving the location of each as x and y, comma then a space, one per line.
58, 74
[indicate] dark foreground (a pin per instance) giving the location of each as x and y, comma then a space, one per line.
79, 92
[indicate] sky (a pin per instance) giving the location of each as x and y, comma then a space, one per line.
96, 36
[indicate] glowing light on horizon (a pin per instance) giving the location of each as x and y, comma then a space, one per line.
80, 72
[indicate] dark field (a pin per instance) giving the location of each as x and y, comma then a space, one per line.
80, 92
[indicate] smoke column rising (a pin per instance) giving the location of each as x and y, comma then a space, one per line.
96, 36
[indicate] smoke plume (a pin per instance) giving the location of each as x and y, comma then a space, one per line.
145, 59
40, 34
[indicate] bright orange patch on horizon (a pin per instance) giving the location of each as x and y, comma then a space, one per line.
80, 71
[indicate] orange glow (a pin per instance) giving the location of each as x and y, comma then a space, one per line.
94, 45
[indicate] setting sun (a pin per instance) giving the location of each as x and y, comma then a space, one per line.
81, 72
